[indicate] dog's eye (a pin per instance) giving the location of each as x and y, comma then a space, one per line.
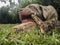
33, 8
30, 6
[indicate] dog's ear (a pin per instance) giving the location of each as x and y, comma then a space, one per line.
45, 11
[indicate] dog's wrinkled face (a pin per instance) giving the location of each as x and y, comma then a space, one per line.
27, 12
25, 15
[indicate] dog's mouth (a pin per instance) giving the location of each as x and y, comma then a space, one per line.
27, 18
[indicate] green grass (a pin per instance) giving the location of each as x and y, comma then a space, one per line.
34, 37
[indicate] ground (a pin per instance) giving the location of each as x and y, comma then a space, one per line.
34, 37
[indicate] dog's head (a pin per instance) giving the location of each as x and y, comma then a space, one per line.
25, 13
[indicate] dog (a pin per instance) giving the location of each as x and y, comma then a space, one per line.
44, 17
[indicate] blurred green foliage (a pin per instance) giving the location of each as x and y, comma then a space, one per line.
9, 16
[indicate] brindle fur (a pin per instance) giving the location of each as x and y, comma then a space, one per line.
44, 16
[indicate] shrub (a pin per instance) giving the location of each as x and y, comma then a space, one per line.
9, 16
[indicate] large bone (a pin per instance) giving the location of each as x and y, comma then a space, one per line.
36, 19
39, 22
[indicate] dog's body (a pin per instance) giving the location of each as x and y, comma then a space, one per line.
45, 17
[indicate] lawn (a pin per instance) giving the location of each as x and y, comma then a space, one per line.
34, 37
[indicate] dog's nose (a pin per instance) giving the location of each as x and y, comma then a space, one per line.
21, 9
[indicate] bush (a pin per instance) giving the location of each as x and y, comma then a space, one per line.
4, 15
14, 15
9, 16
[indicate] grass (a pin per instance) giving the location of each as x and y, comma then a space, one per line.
34, 37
